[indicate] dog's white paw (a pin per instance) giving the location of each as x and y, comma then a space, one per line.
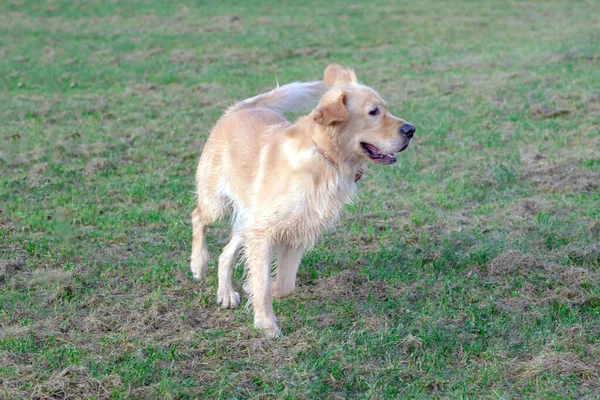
268, 327
199, 266
246, 287
228, 298
198, 274
281, 292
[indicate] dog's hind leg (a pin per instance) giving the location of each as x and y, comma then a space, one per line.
207, 211
227, 297
288, 261
200, 256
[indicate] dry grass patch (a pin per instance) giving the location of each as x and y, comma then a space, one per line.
183, 57
511, 262
542, 283
542, 112
557, 364
75, 382
526, 207
138, 56
96, 165
10, 267
563, 177
347, 285
143, 90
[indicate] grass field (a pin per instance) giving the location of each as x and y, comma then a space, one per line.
469, 269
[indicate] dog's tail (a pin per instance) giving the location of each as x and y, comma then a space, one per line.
293, 97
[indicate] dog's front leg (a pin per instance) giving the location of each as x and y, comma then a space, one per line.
258, 259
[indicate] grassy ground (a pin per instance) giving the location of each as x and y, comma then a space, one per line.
469, 269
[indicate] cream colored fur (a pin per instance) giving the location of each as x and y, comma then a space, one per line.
284, 183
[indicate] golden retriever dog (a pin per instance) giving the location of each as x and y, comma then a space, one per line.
286, 183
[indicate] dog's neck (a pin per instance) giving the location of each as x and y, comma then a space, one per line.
359, 172
326, 140
325, 155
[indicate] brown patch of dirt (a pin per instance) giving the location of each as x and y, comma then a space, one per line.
82, 150
10, 267
183, 57
227, 19
512, 262
212, 29
143, 90
341, 285
542, 112
310, 52
138, 56
206, 87
234, 56
528, 207
557, 364
97, 164
72, 382
12, 258
567, 177
347, 285
563, 285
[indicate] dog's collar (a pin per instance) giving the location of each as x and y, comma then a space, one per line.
358, 175
359, 172
325, 156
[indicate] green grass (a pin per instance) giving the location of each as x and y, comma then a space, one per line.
469, 269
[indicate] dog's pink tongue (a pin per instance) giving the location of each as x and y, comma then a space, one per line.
373, 149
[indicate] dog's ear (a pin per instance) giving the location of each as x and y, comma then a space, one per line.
337, 75
331, 109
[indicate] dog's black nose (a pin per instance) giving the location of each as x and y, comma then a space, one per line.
407, 130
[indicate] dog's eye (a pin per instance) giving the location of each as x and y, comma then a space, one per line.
374, 111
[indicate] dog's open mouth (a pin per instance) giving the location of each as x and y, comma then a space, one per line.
378, 156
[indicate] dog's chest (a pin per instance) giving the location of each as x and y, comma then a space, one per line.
313, 211
327, 201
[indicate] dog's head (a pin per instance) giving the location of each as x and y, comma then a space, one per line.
358, 120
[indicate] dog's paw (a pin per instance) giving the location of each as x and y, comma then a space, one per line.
268, 327
198, 274
246, 287
228, 298
199, 267
281, 293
